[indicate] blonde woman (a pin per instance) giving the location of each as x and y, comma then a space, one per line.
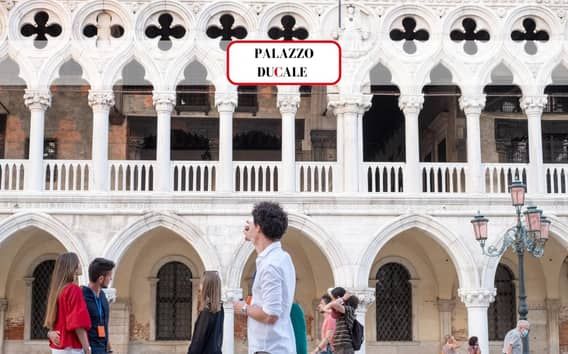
66, 308
208, 331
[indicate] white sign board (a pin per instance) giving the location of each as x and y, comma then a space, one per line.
266, 62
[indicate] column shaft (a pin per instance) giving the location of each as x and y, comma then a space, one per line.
101, 103
533, 107
472, 107
226, 110
411, 105
477, 302
288, 104
164, 103
37, 102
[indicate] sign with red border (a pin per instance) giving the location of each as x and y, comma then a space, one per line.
270, 62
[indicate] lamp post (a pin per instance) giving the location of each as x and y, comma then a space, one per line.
529, 235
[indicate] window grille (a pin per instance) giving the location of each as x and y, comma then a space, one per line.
501, 313
40, 289
174, 302
394, 303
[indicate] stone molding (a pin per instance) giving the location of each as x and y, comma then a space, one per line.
357, 104
288, 103
411, 103
533, 104
37, 99
472, 104
164, 101
101, 99
477, 297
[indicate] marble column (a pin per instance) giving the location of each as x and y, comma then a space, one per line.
29, 281
477, 302
445, 308
411, 105
230, 295
226, 105
37, 101
366, 298
349, 111
164, 103
101, 102
288, 104
553, 325
3, 308
533, 107
472, 107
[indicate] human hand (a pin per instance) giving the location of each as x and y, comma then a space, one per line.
54, 337
238, 306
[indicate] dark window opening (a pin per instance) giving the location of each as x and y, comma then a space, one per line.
394, 303
174, 302
501, 313
40, 289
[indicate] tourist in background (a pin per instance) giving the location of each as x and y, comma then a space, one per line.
513, 343
451, 345
208, 331
473, 346
325, 345
299, 325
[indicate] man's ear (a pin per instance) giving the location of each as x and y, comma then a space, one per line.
101, 279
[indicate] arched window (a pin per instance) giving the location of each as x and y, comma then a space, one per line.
502, 313
394, 303
40, 288
174, 302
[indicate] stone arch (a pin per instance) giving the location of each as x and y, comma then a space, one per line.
193, 268
121, 242
521, 73
51, 69
227, 6
49, 224
362, 77
332, 251
544, 76
113, 72
414, 273
24, 7
215, 73
557, 228
451, 243
423, 73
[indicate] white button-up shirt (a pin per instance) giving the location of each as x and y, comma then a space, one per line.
273, 290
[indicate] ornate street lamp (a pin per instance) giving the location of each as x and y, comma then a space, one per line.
530, 236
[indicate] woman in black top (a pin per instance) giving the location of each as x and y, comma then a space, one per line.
208, 332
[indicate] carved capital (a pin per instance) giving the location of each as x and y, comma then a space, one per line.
101, 99
446, 305
472, 104
153, 280
411, 103
37, 99
553, 305
366, 297
29, 281
110, 294
477, 297
226, 102
230, 295
164, 101
533, 104
358, 104
288, 103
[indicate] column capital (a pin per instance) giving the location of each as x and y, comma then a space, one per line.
366, 297
29, 281
101, 98
446, 305
153, 280
3, 304
110, 294
553, 305
230, 295
226, 101
164, 101
351, 104
477, 297
533, 104
288, 102
472, 104
411, 103
37, 99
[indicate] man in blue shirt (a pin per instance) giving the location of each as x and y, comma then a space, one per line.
100, 276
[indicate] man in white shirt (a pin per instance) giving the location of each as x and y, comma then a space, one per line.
269, 325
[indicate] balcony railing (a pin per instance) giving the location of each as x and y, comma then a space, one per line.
67, 175
499, 176
12, 174
443, 177
382, 177
132, 176
256, 176
267, 176
316, 176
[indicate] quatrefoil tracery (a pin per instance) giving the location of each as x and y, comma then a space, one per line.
165, 31
226, 31
41, 29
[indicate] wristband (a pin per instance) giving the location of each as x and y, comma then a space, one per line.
244, 309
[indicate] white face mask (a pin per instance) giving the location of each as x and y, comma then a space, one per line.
524, 332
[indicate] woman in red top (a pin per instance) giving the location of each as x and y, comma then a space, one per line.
66, 308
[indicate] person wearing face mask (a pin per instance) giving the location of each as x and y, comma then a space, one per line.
513, 343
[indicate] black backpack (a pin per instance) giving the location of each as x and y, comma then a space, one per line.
357, 334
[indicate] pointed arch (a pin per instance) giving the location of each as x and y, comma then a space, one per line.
121, 242
113, 71
447, 239
49, 224
51, 69
521, 73
334, 254
215, 73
